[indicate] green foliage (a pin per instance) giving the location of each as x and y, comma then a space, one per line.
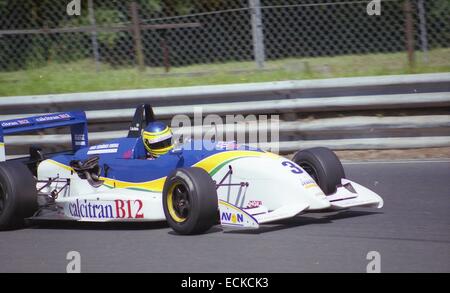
151, 5
81, 76
18, 52
109, 16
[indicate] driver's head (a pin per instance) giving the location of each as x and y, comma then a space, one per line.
157, 138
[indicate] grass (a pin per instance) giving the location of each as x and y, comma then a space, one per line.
81, 76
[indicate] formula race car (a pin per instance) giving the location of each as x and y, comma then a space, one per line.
191, 188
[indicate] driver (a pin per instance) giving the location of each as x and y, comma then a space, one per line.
157, 138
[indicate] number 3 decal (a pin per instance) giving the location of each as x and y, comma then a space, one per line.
294, 168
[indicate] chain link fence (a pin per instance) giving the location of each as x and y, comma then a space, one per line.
163, 36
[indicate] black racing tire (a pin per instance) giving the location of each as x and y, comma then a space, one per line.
190, 201
18, 195
323, 166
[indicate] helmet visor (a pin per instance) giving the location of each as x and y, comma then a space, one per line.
158, 145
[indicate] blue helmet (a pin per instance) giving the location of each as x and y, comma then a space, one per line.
157, 138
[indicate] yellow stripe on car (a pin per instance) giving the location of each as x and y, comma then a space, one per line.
68, 168
157, 185
310, 185
211, 162
154, 185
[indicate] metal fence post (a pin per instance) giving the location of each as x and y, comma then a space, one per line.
94, 34
409, 32
258, 34
423, 30
137, 36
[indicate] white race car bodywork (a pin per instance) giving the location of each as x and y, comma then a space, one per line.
258, 190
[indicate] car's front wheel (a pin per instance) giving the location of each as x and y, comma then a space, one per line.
323, 166
190, 201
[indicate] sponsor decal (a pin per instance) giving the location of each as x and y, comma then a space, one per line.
308, 182
117, 209
53, 117
227, 145
79, 137
103, 149
42, 119
254, 204
23, 122
104, 146
20, 122
234, 218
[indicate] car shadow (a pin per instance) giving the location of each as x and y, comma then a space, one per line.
303, 220
71, 225
214, 229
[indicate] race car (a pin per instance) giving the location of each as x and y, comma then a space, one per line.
191, 187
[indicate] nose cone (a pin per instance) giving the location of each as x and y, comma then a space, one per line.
285, 181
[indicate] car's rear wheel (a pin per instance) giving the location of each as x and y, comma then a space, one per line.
323, 166
190, 201
18, 195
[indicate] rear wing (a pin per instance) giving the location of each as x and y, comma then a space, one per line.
76, 120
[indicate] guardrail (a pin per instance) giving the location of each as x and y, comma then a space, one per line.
312, 96
344, 103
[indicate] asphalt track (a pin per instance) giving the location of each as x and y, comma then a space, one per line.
411, 233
